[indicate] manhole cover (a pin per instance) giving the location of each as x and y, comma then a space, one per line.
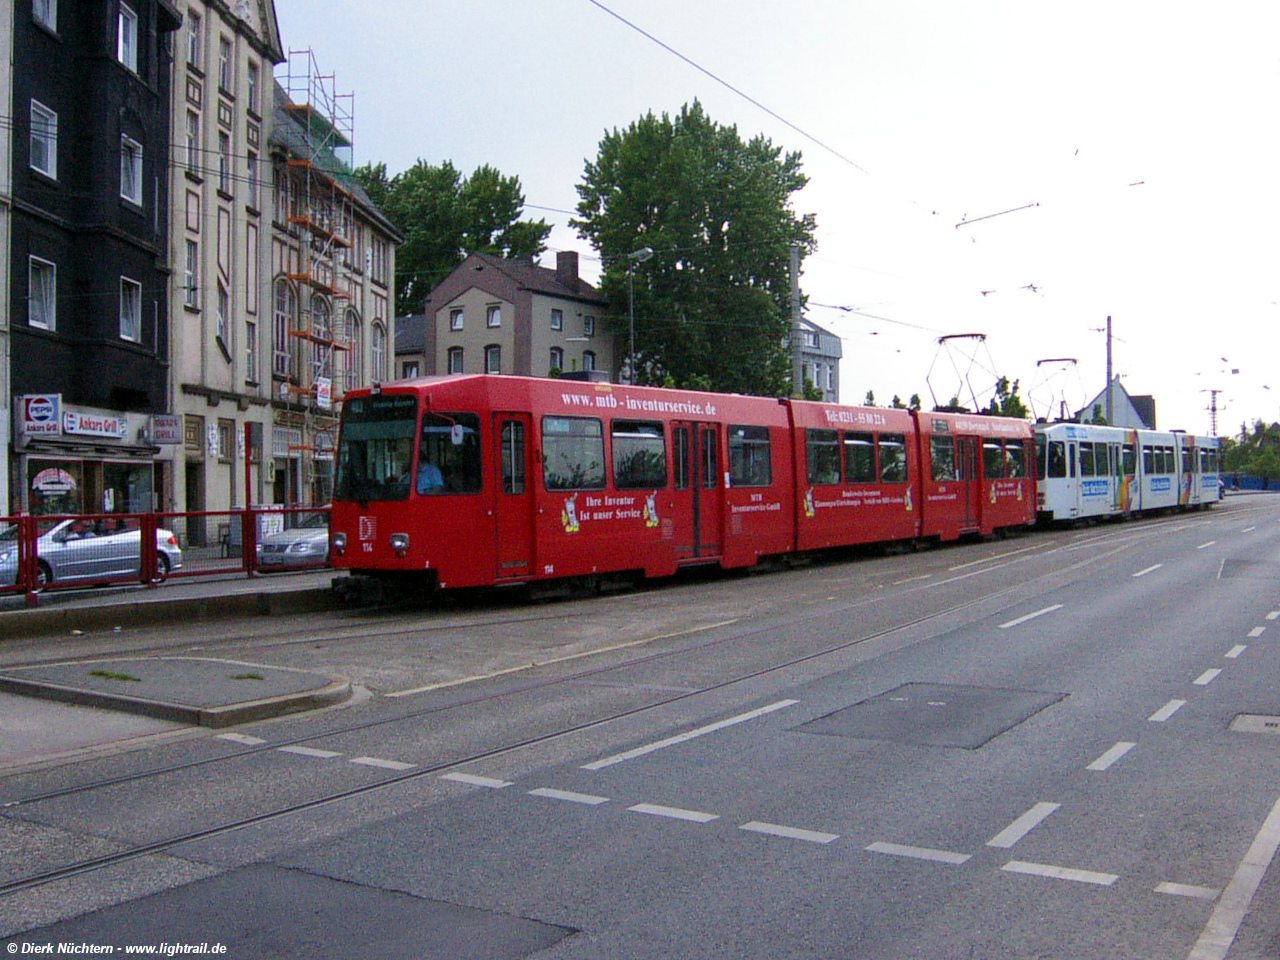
935, 714
1255, 723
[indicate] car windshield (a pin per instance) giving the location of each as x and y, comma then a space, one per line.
9, 533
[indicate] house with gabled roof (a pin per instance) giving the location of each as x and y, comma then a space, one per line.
494, 315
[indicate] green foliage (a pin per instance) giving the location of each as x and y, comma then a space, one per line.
1256, 453
812, 392
1098, 417
712, 305
1006, 402
914, 402
444, 217
870, 399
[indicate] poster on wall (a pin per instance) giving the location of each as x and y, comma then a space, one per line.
41, 415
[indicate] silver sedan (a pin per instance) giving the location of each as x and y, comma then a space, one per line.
89, 550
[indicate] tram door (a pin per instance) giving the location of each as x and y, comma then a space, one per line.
697, 521
513, 493
1117, 479
967, 471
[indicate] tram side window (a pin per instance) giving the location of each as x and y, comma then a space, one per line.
513, 459
942, 457
1057, 459
893, 458
572, 453
750, 462
680, 457
639, 455
1087, 466
449, 454
1015, 458
822, 452
1128, 460
1148, 459
1170, 460
710, 459
859, 458
992, 458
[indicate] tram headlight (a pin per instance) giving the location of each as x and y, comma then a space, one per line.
339, 543
400, 544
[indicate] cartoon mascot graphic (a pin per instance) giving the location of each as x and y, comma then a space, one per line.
569, 515
651, 510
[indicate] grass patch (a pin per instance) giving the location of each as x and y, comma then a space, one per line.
114, 675
247, 676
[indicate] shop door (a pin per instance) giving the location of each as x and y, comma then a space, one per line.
967, 468
697, 502
513, 504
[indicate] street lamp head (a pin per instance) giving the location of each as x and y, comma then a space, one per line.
641, 255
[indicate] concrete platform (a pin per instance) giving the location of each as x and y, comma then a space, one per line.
192, 690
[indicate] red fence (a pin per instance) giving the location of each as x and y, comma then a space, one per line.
55, 552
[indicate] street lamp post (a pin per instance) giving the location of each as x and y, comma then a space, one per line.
634, 257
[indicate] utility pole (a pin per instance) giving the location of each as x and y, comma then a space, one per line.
1111, 405
1213, 412
797, 327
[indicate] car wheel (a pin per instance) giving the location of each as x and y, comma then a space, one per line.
162, 569
44, 576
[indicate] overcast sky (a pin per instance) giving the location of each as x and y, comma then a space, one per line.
1147, 135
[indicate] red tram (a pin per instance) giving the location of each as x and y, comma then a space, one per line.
470, 481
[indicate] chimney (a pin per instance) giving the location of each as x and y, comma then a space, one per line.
567, 269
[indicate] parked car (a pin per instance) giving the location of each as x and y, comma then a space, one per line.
304, 544
79, 550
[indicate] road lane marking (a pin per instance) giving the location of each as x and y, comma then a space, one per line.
1207, 677
927, 576
584, 798
1151, 569
472, 780
1224, 922
1205, 546
1105, 761
382, 764
1167, 711
1030, 616
991, 559
1257, 632
1187, 890
690, 735
1015, 831
918, 853
1248, 529
1060, 873
1274, 614
674, 813
310, 752
243, 738
1235, 651
791, 833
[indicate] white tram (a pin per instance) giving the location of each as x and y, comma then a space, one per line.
1086, 471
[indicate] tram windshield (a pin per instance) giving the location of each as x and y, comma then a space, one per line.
375, 448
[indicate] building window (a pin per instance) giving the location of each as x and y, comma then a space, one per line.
224, 162
195, 40
378, 260
410, 369
493, 359
280, 196
224, 64
250, 351
42, 294
557, 319
322, 338
191, 276
130, 310
280, 324
588, 360
44, 139
226, 439
557, 358
455, 359
588, 326
45, 13
127, 38
193, 142
455, 319
251, 88
131, 170
493, 315
221, 331
378, 352
252, 193
355, 356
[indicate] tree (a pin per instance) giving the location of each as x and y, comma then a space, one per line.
1006, 402
714, 301
444, 217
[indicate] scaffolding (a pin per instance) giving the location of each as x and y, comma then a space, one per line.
321, 211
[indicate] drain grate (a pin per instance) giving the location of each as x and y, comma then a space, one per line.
935, 714
1255, 723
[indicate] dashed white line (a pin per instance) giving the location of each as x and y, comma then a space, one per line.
674, 813
1188, 890
1105, 761
1030, 616
1167, 711
1235, 651
1257, 632
1205, 546
1015, 831
690, 735
382, 764
1060, 873
1248, 529
584, 798
918, 853
243, 738
1227, 916
1207, 677
1273, 615
1150, 569
472, 780
790, 833
310, 752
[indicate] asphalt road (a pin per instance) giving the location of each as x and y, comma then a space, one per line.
1065, 745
